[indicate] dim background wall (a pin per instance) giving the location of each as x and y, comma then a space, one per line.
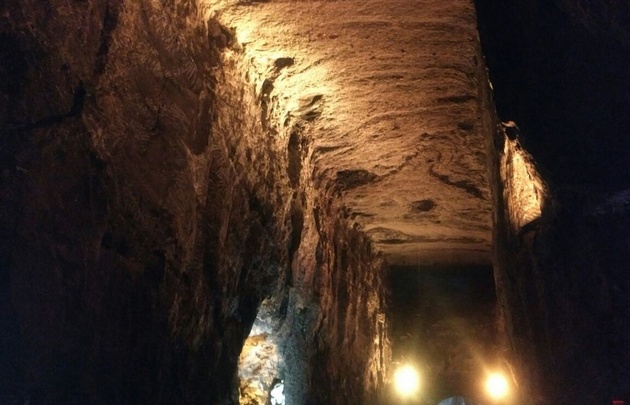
560, 72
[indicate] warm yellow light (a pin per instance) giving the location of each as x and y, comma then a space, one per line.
497, 386
406, 381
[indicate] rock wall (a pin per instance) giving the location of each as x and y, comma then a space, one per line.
134, 248
559, 72
333, 334
149, 203
336, 321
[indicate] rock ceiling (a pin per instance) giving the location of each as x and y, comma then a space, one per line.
390, 91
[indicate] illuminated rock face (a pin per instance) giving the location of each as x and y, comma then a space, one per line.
167, 165
375, 106
389, 93
150, 202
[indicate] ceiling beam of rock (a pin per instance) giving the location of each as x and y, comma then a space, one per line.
389, 92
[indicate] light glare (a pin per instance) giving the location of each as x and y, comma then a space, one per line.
497, 386
406, 381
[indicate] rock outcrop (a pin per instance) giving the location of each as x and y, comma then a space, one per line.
391, 90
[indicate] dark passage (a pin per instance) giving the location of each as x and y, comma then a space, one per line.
444, 320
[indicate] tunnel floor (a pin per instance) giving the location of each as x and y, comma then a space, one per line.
445, 322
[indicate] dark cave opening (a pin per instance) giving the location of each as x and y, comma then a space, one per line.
445, 321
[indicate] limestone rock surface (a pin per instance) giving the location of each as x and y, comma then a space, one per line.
390, 89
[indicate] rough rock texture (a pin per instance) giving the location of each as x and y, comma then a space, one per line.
133, 253
340, 325
560, 72
151, 200
393, 85
333, 298
167, 165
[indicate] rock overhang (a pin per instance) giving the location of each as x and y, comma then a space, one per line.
386, 95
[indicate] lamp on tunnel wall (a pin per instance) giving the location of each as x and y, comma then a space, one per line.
407, 381
497, 387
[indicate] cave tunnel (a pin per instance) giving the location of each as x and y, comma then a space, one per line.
265, 202
445, 322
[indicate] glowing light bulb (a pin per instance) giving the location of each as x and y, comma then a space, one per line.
406, 381
497, 386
